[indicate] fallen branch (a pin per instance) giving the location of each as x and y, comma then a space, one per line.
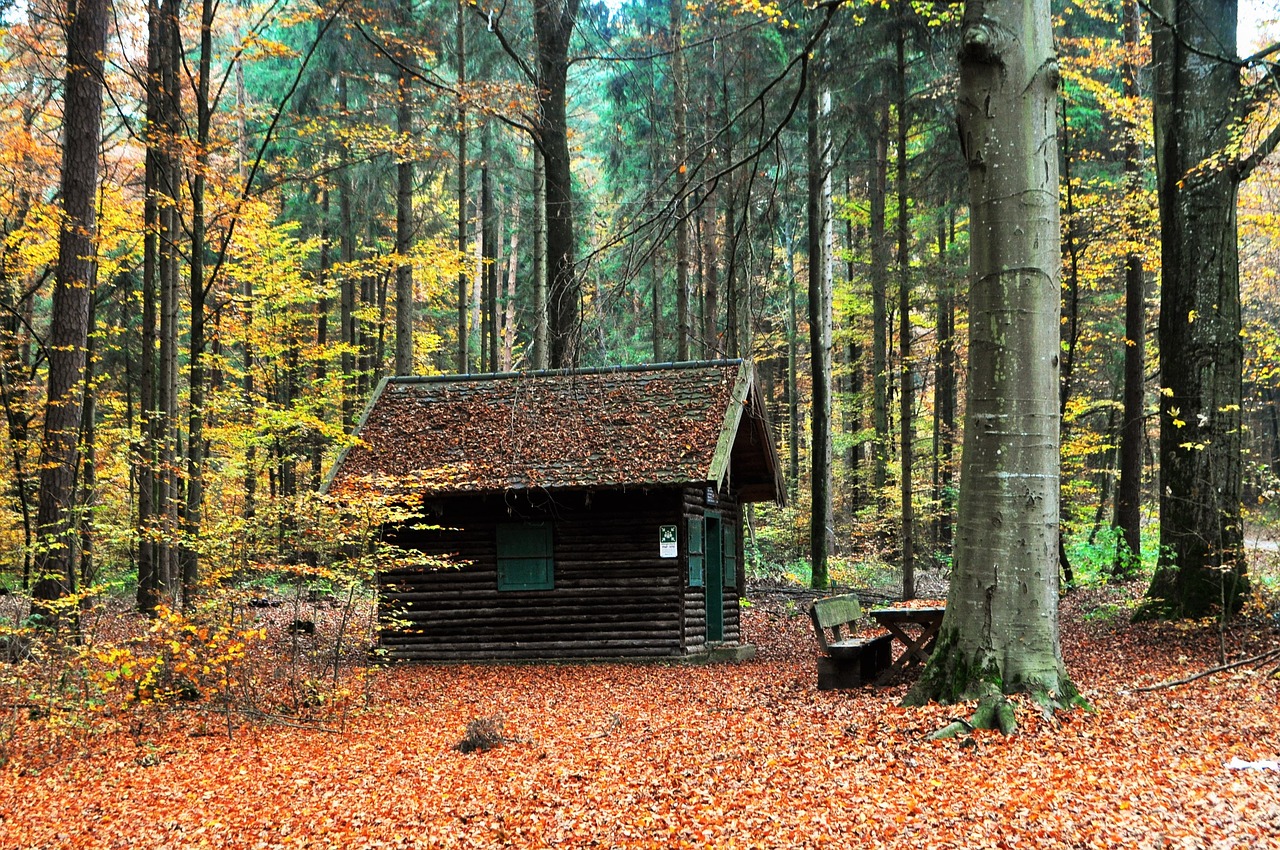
1257, 659
614, 722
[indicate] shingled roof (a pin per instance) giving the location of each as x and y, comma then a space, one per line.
567, 429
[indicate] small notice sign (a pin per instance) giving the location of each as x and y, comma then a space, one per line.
667, 541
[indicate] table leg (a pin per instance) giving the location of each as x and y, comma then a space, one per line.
915, 649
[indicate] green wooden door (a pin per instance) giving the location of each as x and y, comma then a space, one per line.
715, 578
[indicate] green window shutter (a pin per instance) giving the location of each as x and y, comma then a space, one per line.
730, 550
696, 549
525, 556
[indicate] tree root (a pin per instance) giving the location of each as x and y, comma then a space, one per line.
994, 711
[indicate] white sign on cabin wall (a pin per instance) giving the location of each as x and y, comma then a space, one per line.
667, 541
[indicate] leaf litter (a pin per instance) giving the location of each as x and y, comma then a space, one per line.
668, 756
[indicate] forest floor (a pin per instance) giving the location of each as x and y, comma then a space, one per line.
746, 755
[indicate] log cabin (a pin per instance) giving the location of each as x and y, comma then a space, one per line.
586, 513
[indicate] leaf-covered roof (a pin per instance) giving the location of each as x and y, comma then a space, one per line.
568, 429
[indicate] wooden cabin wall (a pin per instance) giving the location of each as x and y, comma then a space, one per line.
614, 595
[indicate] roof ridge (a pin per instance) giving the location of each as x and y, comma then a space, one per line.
565, 373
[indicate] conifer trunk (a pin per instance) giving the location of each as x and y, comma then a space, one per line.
68, 339
820, 273
1196, 102
404, 205
905, 393
553, 22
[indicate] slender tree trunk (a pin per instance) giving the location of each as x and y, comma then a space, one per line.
250, 508
194, 506
819, 217
1201, 565
489, 241
347, 292
1133, 428
854, 355
509, 303
89, 440
1000, 631
322, 332
369, 334
905, 395
793, 380
149, 579
461, 59
541, 331
476, 343
73, 288
680, 150
1070, 321
170, 233
405, 306
879, 308
945, 404
1071, 300
710, 245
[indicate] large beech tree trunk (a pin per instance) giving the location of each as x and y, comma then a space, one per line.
68, 339
1000, 633
1201, 561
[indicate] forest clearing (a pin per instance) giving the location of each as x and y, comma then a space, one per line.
342, 333
657, 755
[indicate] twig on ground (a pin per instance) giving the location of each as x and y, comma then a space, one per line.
1257, 659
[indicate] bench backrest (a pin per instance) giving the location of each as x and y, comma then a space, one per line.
836, 610
832, 613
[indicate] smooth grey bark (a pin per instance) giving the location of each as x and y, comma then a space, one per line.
1197, 107
1000, 632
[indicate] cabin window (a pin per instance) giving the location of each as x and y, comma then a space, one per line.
524, 556
730, 554
696, 550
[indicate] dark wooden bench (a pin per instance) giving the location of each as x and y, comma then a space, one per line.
847, 661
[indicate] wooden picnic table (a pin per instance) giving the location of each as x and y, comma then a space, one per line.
900, 622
